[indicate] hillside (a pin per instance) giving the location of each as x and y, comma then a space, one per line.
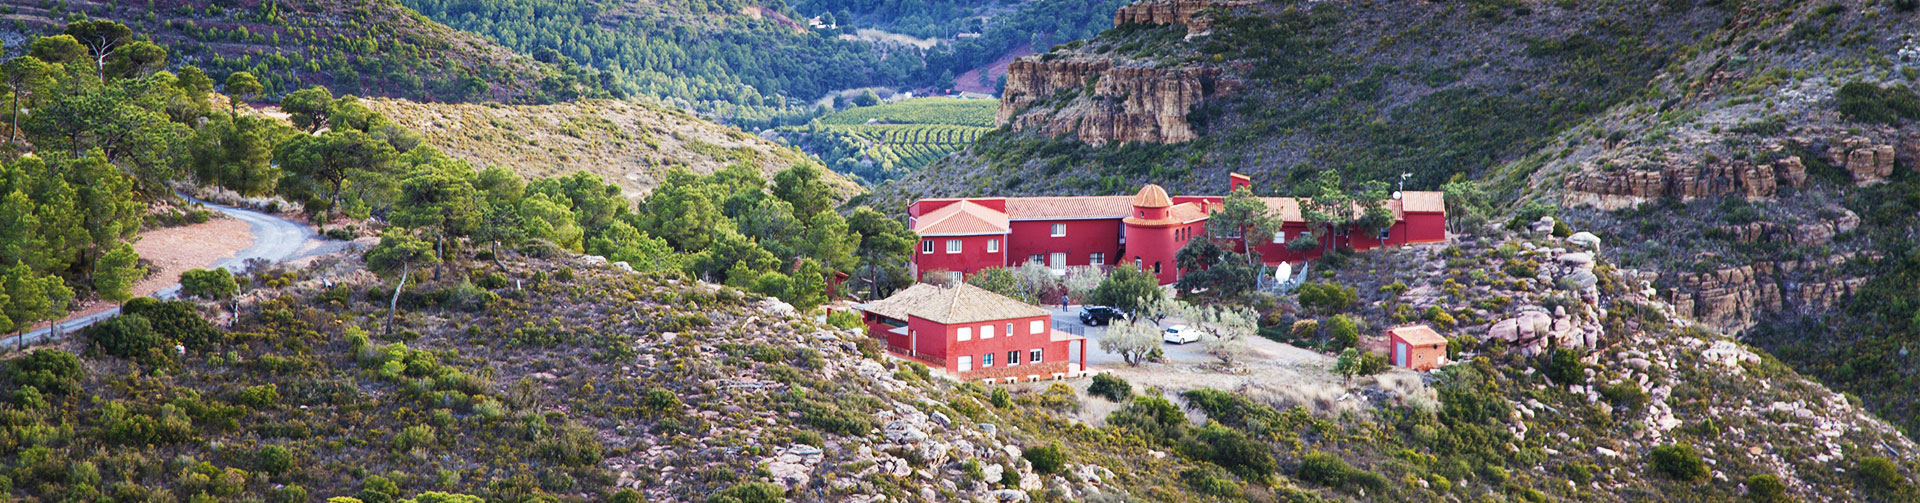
628, 144
757, 63
360, 47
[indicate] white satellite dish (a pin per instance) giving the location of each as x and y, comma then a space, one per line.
1396, 195
1282, 272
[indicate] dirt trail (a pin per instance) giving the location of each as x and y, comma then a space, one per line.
174, 250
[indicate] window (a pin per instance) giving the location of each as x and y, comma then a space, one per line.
953, 246
926, 246
1059, 230
1279, 237
966, 363
986, 360
1341, 232
1058, 260
1386, 233
1013, 357
1096, 258
965, 334
1033, 356
1034, 258
1037, 327
955, 277
1009, 329
993, 246
986, 331
1156, 267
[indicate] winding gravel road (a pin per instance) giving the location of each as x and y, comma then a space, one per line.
275, 239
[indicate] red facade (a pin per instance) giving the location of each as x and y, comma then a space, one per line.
964, 236
971, 333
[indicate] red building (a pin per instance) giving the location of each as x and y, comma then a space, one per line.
1416, 347
972, 333
965, 235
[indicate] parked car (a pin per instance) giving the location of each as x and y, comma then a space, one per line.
1102, 315
1180, 334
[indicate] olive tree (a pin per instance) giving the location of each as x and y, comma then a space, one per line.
1133, 340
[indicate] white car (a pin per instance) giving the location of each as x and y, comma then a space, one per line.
1180, 334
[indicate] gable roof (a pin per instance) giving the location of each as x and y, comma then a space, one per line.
1419, 335
1423, 201
1041, 208
1286, 208
961, 303
961, 218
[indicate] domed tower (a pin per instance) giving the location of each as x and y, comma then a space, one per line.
1149, 232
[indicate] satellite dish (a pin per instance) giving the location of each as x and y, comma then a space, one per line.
1282, 272
1396, 195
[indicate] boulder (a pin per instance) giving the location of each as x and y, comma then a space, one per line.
1584, 239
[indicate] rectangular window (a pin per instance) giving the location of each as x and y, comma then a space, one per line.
955, 277
1341, 232
1037, 327
1013, 357
986, 331
1386, 233
965, 334
1096, 258
1058, 260
1279, 237
926, 246
953, 246
966, 363
1034, 258
993, 246
1009, 330
1059, 230
1033, 356
986, 360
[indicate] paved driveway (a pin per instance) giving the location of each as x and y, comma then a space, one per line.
1069, 320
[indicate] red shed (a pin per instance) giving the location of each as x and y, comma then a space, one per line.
1416, 347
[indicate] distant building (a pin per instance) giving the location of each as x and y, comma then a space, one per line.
972, 333
965, 235
1416, 347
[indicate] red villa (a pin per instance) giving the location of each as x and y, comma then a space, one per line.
966, 235
973, 333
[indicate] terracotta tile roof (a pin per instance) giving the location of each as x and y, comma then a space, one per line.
962, 303
961, 218
1423, 201
1152, 196
1419, 335
1287, 208
1040, 208
1187, 212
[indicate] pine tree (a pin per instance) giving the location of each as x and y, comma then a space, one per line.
116, 272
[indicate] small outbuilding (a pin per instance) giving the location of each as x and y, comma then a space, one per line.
1416, 347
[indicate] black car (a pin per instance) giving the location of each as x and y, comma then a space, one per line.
1101, 315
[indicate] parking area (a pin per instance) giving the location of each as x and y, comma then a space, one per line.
1191, 353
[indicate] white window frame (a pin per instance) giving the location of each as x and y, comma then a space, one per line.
966, 363
986, 359
1013, 358
1033, 355
1059, 230
956, 277
1009, 329
993, 246
1057, 260
1097, 258
953, 246
1279, 237
1037, 327
965, 334
1036, 258
926, 246
986, 331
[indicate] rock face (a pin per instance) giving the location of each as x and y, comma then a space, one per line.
1616, 189
1181, 12
1108, 102
1731, 298
1868, 163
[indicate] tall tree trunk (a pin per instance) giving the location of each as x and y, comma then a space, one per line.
394, 305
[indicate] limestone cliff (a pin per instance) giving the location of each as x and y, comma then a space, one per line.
1620, 188
1099, 100
1732, 298
1186, 13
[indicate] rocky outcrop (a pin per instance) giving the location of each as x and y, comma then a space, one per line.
1909, 153
1100, 101
1731, 298
1613, 189
1813, 233
1181, 12
1868, 163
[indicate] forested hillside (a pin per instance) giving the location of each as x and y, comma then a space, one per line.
749, 62
359, 47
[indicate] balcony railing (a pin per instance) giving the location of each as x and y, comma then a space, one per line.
930, 360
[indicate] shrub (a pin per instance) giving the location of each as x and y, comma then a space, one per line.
176, 320
1001, 398
1678, 462
1210, 481
1112, 388
1766, 488
412, 437
1344, 330
1880, 474
1047, 459
1249, 459
216, 283
626, 496
274, 459
1305, 329
1439, 317
660, 401
1563, 366
125, 336
846, 319
750, 492
1324, 469
1327, 297
290, 494
1521, 268
260, 397
51, 371
1866, 102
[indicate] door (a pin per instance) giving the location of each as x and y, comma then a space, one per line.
1057, 260
1400, 354
966, 363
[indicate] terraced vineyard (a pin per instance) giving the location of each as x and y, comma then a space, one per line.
881, 142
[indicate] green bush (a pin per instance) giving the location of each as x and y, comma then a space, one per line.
1327, 297
1345, 330
126, 336
750, 492
176, 320
1223, 446
216, 284
274, 459
1001, 398
1047, 459
1678, 462
1766, 488
1324, 469
51, 371
290, 494
1880, 474
260, 397
1866, 102
1563, 366
1112, 388
660, 402
1210, 481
